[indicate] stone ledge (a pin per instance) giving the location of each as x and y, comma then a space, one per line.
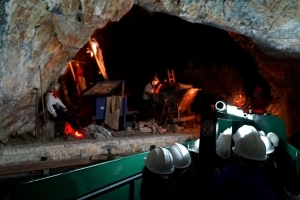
84, 148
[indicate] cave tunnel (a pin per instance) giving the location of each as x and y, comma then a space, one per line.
143, 44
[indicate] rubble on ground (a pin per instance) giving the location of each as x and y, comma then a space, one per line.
151, 126
97, 132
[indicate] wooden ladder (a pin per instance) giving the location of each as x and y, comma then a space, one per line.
171, 76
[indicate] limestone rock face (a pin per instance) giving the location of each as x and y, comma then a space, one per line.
270, 23
38, 38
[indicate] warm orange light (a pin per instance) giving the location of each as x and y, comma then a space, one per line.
240, 100
78, 135
70, 131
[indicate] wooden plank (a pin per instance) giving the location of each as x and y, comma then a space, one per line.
53, 164
182, 119
72, 70
98, 157
78, 61
42, 165
99, 58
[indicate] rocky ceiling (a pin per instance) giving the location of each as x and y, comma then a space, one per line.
223, 46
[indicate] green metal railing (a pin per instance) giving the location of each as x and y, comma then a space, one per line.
121, 178
116, 179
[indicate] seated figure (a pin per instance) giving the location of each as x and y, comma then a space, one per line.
57, 110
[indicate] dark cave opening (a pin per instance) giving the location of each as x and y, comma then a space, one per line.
143, 44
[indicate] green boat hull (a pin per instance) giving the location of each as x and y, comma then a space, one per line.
121, 178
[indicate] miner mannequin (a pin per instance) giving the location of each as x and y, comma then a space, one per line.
80, 80
150, 89
57, 110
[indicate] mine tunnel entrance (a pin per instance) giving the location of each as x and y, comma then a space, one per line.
142, 45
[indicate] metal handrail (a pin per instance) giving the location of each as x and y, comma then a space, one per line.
109, 187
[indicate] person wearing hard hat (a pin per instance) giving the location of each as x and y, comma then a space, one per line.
157, 178
195, 162
183, 174
194, 152
271, 140
244, 179
274, 179
151, 88
223, 149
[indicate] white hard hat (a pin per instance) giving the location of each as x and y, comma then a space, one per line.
181, 156
269, 146
196, 146
261, 132
248, 144
160, 161
274, 138
223, 145
227, 131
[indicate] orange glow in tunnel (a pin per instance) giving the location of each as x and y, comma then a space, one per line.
70, 131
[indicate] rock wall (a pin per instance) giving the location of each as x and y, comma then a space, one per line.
38, 38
